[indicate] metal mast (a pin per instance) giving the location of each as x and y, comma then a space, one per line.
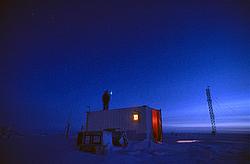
211, 112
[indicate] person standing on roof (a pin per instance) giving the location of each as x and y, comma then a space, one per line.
105, 99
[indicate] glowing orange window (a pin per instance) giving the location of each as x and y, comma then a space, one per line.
135, 117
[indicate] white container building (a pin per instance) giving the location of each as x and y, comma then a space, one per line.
140, 122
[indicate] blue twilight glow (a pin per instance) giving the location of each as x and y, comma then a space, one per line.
58, 57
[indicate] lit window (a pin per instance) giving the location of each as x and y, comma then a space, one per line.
135, 117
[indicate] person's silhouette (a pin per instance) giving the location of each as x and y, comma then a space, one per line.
106, 99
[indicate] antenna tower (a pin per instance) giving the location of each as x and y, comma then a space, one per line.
210, 108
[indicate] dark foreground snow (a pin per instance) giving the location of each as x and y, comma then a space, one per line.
48, 149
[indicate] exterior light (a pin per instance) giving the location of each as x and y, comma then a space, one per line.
135, 117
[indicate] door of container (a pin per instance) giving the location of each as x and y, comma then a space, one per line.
157, 125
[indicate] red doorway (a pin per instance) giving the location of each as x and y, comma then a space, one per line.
157, 125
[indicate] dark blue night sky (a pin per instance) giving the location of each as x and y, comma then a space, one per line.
58, 56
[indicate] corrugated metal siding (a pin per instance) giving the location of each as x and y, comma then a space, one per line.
149, 124
121, 118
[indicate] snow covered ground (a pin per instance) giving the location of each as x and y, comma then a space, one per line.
48, 149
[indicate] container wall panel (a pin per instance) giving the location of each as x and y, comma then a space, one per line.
122, 118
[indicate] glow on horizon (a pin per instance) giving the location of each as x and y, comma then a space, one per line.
187, 141
229, 115
204, 125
